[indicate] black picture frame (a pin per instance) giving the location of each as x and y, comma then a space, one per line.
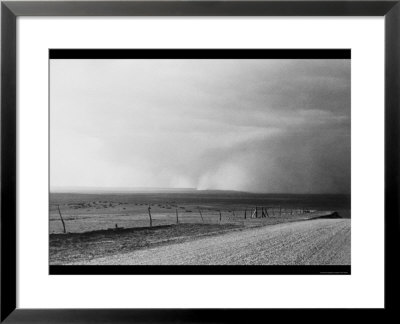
10, 10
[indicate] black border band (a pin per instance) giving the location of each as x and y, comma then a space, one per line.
200, 53
204, 270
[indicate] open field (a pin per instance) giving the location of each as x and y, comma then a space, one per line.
313, 242
103, 225
81, 247
89, 212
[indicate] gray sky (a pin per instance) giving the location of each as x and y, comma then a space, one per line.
278, 126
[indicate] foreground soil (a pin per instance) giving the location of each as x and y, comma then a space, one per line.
77, 247
83, 247
313, 242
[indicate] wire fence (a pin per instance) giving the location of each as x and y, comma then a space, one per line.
75, 218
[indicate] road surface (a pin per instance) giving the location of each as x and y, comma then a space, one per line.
313, 242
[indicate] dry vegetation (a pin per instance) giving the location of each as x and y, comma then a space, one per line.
104, 225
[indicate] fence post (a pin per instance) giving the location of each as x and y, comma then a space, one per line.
220, 216
201, 216
280, 210
151, 221
62, 220
245, 211
177, 219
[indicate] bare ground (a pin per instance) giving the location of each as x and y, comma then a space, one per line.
313, 242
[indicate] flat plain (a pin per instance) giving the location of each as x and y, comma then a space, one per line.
101, 226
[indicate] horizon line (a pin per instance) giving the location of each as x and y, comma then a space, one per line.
85, 190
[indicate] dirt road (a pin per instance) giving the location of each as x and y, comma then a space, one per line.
314, 242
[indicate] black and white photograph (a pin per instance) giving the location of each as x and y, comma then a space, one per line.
219, 158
